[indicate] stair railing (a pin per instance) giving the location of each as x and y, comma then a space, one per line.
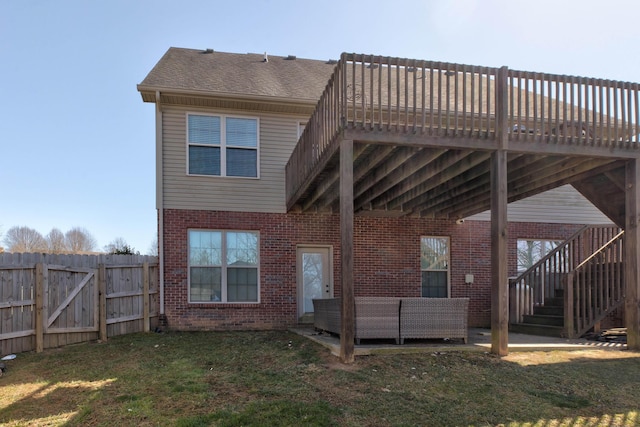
594, 288
547, 277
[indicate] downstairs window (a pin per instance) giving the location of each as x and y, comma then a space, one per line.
434, 266
223, 266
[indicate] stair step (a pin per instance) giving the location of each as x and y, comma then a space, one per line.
557, 301
542, 330
549, 310
542, 319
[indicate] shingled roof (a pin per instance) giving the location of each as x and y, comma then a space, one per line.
243, 75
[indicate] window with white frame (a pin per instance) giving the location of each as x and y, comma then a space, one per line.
223, 266
434, 266
222, 145
530, 251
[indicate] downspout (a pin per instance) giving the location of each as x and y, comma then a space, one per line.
160, 199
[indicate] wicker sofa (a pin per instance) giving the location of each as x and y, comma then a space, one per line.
397, 318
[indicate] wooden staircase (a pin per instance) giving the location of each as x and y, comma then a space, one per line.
572, 288
547, 319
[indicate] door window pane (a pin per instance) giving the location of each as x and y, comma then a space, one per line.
312, 278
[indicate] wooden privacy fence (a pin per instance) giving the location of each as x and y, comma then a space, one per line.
50, 300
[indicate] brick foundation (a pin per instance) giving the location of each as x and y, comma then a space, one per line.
387, 262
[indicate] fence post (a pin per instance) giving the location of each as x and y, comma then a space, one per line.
145, 295
42, 277
102, 293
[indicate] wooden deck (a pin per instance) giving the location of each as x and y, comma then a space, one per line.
424, 132
398, 137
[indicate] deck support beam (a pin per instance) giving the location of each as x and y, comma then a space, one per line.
347, 334
499, 224
499, 268
632, 254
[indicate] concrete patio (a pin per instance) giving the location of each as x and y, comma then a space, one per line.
479, 341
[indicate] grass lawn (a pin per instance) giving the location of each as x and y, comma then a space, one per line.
281, 379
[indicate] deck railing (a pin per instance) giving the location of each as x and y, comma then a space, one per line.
594, 288
382, 94
548, 277
568, 109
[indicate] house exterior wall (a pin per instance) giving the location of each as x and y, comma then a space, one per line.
387, 262
278, 135
560, 205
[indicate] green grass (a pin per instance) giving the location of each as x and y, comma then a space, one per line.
281, 379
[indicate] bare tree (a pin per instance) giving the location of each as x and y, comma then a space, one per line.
79, 240
119, 246
24, 239
56, 243
153, 247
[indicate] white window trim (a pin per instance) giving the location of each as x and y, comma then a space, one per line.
223, 144
223, 267
448, 270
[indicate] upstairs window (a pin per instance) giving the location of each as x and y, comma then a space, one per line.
434, 265
222, 146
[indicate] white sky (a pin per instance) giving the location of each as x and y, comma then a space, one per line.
77, 142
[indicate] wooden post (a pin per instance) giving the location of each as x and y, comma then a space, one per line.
499, 199
632, 254
42, 278
569, 306
499, 267
145, 295
102, 292
347, 332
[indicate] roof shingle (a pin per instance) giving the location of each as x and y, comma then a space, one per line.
239, 74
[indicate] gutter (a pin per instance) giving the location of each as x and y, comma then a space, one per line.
160, 199
227, 95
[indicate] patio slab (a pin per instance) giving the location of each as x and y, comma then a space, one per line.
479, 341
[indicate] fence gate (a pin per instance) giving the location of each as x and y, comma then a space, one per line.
72, 296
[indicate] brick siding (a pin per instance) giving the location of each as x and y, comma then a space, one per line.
387, 262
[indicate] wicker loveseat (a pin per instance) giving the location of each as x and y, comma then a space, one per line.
434, 318
377, 317
397, 318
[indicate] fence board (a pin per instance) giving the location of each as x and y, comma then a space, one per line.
49, 300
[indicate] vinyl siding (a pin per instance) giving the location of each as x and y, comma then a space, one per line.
278, 136
560, 205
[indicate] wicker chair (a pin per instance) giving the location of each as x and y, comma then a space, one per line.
326, 314
377, 317
434, 318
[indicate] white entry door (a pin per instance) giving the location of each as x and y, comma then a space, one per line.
314, 276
